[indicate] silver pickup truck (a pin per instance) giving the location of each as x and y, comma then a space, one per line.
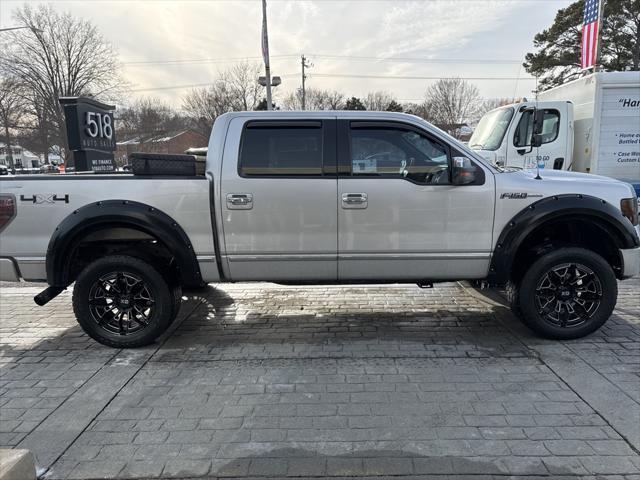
322, 197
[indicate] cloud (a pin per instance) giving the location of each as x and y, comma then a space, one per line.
187, 30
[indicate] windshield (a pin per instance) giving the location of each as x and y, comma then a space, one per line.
490, 131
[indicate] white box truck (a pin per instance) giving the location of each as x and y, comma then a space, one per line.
590, 125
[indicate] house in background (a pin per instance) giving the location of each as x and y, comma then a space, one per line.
20, 158
172, 142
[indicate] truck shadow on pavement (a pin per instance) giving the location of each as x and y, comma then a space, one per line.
426, 460
338, 322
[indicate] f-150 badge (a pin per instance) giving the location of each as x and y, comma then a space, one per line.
519, 195
45, 198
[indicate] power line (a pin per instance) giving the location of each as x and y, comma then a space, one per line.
200, 60
495, 61
419, 60
408, 77
191, 85
338, 75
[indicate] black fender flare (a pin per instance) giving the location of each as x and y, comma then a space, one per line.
119, 213
601, 213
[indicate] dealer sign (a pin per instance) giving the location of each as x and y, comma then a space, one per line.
90, 133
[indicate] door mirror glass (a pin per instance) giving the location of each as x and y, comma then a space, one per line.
538, 121
536, 140
464, 171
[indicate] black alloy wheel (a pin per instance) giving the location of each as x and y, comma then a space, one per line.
121, 303
124, 302
568, 295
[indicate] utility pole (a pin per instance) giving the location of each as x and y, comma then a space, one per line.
265, 54
304, 64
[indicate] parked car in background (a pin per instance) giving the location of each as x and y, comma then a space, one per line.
49, 169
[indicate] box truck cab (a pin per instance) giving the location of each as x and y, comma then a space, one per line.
504, 135
589, 125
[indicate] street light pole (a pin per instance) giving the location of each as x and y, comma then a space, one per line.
265, 54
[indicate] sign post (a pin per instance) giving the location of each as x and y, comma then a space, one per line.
90, 133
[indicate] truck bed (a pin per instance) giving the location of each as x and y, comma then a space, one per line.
44, 201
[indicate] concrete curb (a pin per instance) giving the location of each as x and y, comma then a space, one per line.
17, 464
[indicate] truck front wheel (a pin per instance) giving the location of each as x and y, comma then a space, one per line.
123, 302
568, 293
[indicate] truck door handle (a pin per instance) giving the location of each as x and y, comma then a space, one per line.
558, 163
240, 201
354, 200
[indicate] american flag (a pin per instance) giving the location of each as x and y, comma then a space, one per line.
590, 32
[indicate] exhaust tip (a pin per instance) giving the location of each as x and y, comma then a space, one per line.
47, 295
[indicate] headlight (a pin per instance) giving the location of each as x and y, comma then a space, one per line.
629, 208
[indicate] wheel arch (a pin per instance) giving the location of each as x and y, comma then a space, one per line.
118, 214
580, 219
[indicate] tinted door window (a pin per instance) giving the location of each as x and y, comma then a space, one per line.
524, 130
278, 151
397, 153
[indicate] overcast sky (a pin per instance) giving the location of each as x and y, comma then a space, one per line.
466, 38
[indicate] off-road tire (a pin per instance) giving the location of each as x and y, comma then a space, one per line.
162, 302
512, 294
536, 284
176, 297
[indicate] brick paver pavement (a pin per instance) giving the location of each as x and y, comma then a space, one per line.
268, 381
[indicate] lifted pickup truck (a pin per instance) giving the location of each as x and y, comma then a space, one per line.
321, 197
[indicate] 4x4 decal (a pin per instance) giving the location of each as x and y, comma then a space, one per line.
45, 198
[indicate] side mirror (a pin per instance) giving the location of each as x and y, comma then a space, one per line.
536, 140
464, 172
538, 124
538, 121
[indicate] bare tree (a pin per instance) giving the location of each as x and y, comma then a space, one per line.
241, 82
204, 105
335, 100
452, 102
59, 56
421, 110
148, 117
236, 89
491, 103
378, 101
314, 100
12, 106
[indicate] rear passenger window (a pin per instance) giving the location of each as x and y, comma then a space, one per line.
281, 150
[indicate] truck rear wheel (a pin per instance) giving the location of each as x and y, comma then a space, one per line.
568, 293
123, 302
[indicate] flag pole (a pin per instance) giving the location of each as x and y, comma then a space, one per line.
600, 27
265, 54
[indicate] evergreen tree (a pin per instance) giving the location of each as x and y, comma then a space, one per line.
354, 103
557, 56
394, 107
